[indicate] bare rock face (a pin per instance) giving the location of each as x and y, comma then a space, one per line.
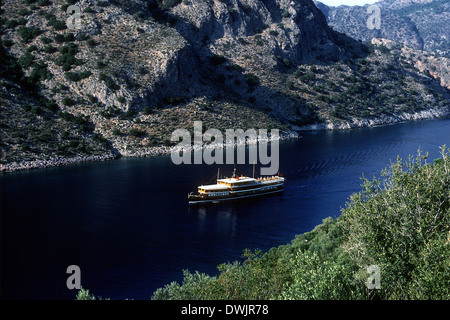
300, 27
137, 70
436, 66
419, 24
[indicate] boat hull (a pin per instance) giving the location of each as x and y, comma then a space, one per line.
197, 199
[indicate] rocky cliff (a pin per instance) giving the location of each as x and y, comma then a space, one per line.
420, 24
137, 70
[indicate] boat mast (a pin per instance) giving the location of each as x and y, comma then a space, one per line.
253, 169
218, 174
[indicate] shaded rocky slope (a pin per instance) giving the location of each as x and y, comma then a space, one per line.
138, 70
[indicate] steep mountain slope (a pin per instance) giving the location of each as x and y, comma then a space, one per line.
137, 70
420, 24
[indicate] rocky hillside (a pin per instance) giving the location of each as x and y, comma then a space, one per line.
137, 70
420, 24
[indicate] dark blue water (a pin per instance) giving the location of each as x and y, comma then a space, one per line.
127, 225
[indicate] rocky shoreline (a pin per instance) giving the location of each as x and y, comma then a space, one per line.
164, 150
53, 162
436, 113
147, 152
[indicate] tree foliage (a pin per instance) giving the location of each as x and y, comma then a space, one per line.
402, 224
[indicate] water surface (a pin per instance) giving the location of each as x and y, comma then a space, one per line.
127, 225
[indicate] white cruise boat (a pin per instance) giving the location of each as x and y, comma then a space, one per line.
237, 187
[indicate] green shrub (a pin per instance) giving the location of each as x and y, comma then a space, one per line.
85, 74
26, 60
43, 3
401, 223
111, 112
56, 24
167, 4
67, 58
51, 105
24, 12
7, 43
91, 43
173, 101
251, 80
134, 132
67, 101
92, 98
36, 110
10, 24
138, 16
85, 295
49, 49
116, 132
217, 60
25, 147
28, 33
39, 73
100, 65
147, 110
72, 76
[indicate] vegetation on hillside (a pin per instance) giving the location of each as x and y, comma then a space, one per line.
109, 84
399, 222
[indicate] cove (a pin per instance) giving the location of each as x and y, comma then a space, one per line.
128, 227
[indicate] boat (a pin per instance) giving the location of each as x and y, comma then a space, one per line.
237, 187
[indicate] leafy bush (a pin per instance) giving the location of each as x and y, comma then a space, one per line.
135, 132
217, 60
67, 58
39, 73
108, 81
138, 16
111, 112
72, 76
49, 49
26, 60
251, 80
167, 4
24, 12
173, 101
10, 24
91, 43
92, 98
401, 223
67, 101
56, 24
28, 33
84, 294
147, 110
43, 3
